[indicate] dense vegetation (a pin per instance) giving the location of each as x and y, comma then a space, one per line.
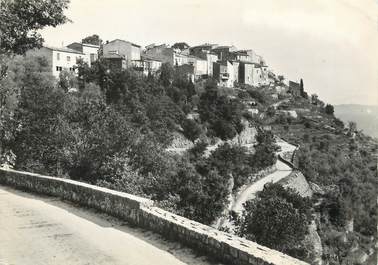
113, 128
277, 218
341, 162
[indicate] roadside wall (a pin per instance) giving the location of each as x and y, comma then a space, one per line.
141, 212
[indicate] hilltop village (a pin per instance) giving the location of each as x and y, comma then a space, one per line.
208, 132
204, 145
228, 65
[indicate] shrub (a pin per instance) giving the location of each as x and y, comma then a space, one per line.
192, 130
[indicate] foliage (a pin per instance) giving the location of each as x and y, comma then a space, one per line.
21, 21
192, 130
232, 161
117, 174
38, 136
166, 74
258, 95
222, 114
198, 191
277, 218
329, 109
67, 80
93, 39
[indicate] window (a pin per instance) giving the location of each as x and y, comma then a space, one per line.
58, 56
59, 68
92, 57
68, 58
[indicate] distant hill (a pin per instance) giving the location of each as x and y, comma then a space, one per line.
365, 116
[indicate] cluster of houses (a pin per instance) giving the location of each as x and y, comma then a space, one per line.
228, 65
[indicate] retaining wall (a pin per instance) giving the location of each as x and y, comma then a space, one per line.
141, 212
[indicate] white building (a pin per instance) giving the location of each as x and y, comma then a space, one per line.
60, 58
200, 66
90, 51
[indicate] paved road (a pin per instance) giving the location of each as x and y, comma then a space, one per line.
43, 230
250, 191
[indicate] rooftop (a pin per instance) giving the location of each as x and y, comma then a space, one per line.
149, 57
112, 56
63, 49
136, 45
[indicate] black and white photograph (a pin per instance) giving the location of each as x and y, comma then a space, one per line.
188, 132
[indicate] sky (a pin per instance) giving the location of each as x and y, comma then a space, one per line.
331, 44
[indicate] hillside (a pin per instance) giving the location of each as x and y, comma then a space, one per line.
365, 116
190, 145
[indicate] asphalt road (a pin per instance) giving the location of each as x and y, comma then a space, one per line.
38, 230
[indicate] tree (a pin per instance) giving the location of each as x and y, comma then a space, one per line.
21, 21
231, 161
277, 218
180, 45
68, 80
329, 109
221, 113
39, 139
301, 89
166, 74
93, 39
199, 190
192, 130
352, 126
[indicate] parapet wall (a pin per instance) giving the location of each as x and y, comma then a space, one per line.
141, 212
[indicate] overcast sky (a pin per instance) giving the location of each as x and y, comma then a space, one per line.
331, 44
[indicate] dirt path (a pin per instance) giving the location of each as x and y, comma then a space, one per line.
44, 230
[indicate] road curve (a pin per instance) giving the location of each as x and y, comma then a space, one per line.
250, 191
44, 230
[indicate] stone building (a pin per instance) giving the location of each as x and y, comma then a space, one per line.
204, 52
224, 73
224, 52
253, 74
294, 88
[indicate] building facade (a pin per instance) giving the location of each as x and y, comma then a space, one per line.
60, 59
224, 52
253, 74
128, 50
114, 62
90, 51
224, 73
147, 65
200, 66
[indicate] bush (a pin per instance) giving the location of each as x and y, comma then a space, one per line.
277, 218
192, 130
258, 95
329, 109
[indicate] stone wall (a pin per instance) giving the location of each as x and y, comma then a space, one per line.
297, 181
141, 212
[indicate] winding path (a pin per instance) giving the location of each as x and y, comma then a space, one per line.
250, 191
44, 230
